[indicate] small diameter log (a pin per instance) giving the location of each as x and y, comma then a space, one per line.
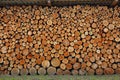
15, 71
1, 60
32, 71
45, 63
24, 71
94, 25
55, 62
111, 26
66, 42
70, 49
25, 52
65, 60
83, 65
63, 66
114, 66
41, 71
51, 70
4, 49
68, 66
105, 22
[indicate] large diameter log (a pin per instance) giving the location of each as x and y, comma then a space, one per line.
99, 71
108, 71
32, 71
55, 62
42, 71
15, 71
117, 71
24, 71
51, 70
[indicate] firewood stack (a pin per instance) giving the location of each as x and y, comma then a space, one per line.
59, 40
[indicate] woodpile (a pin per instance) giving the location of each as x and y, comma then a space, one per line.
74, 40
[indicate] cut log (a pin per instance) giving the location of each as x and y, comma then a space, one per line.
29, 39
83, 65
91, 72
104, 65
57, 47
65, 61
76, 66
70, 49
82, 72
62, 66
32, 71
15, 71
109, 71
48, 57
99, 71
38, 61
1, 60
94, 66
51, 70
23, 71
4, 49
59, 72
92, 59
61, 57
105, 22
22, 62
66, 54
74, 72
45, 63
66, 72
111, 26
55, 62
41, 71
117, 71
25, 52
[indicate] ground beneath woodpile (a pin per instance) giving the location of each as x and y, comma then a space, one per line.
61, 77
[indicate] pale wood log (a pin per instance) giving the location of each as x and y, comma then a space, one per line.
45, 63
15, 71
82, 72
24, 71
62, 66
42, 71
55, 62
51, 70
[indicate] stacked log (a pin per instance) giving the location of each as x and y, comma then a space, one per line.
75, 40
